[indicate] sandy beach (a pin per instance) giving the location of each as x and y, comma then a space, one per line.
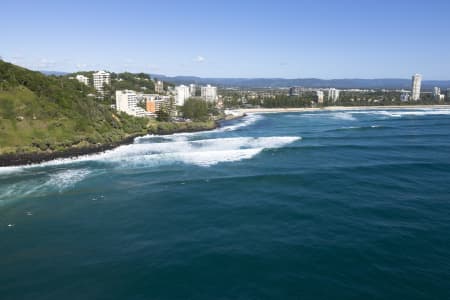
332, 108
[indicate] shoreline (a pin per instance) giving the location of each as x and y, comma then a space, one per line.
334, 108
31, 158
34, 158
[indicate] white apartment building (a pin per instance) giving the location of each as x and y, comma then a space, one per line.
126, 101
82, 79
209, 93
333, 94
319, 97
192, 89
181, 94
436, 93
100, 79
159, 87
416, 85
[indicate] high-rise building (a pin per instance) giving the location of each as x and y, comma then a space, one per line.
333, 94
159, 87
296, 91
209, 93
82, 79
193, 90
319, 97
126, 101
436, 93
448, 94
416, 85
181, 94
100, 79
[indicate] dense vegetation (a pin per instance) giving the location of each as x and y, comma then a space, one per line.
44, 113
199, 109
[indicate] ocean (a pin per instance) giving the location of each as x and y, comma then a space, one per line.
313, 205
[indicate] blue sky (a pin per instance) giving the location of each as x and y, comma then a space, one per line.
228, 38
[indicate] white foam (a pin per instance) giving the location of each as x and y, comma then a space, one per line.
67, 178
401, 113
204, 152
245, 121
183, 136
198, 152
39, 185
343, 116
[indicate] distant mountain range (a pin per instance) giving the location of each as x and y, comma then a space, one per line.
387, 83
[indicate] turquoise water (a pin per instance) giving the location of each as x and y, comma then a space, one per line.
326, 205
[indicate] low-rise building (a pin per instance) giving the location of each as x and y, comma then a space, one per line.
155, 102
127, 102
83, 79
404, 97
296, 91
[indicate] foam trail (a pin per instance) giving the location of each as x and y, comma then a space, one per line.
245, 121
43, 184
401, 113
67, 178
343, 116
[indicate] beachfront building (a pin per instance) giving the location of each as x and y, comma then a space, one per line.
416, 85
209, 93
182, 93
159, 87
319, 97
333, 94
100, 79
83, 79
436, 93
126, 101
404, 97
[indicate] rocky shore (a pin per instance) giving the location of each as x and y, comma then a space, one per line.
18, 159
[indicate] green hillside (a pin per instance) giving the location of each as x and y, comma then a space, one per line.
48, 113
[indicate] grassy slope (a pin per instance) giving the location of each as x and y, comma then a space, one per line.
44, 113
39, 113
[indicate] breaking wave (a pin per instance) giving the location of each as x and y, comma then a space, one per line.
204, 152
58, 181
401, 113
245, 121
343, 116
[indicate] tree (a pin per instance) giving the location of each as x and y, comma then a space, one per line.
195, 109
163, 115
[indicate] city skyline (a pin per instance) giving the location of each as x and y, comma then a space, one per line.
288, 39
